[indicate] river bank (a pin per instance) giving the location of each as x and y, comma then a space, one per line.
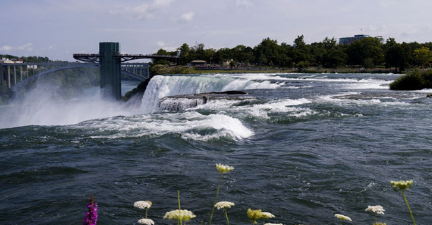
162, 69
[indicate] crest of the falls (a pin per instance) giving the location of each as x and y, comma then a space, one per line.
162, 86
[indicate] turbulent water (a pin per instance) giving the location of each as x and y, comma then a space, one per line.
304, 147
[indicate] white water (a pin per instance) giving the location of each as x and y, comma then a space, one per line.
162, 86
222, 124
41, 106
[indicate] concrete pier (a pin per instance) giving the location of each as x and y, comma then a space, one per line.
110, 70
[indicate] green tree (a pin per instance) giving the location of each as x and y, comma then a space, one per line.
334, 55
267, 51
397, 55
285, 55
198, 52
161, 61
367, 48
301, 51
243, 54
185, 54
209, 55
406, 57
422, 56
223, 55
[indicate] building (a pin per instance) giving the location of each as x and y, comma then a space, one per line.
350, 40
5, 60
198, 62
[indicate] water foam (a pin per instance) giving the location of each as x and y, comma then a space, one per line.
188, 124
260, 109
343, 99
162, 86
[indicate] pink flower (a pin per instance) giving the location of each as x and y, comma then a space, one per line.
91, 216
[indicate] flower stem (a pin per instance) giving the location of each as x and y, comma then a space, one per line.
178, 199
406, 202
226, 215
146, 213
217, 193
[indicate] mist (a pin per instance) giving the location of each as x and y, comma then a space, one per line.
44, 105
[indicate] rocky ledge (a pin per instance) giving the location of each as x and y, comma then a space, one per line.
182, 102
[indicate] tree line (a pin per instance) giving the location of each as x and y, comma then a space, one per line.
368, 52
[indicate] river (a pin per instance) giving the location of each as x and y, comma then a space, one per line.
303, 146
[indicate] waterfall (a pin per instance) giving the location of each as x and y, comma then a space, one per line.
162, 86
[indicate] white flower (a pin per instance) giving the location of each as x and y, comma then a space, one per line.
224, 204
146, 221
273, 224
267, 215
342, 217
224, 168
183, 215
142, 204
375, 209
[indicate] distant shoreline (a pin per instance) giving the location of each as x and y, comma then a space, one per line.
192, 70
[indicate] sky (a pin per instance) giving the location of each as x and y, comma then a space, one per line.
59, 28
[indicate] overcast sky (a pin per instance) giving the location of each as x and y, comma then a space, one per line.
59, 28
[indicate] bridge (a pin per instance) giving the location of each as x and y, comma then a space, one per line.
110, 62
18, 75
110, 59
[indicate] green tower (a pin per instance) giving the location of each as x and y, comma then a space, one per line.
110, 71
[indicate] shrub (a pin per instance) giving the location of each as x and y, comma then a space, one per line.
414, 80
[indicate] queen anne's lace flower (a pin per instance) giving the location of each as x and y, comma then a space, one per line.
342, 217
224, 168
273, 224
183, 215
143, 204
403, 185
146, 221
224, 205
267, 215
375, 209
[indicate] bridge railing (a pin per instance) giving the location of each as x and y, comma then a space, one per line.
13, 74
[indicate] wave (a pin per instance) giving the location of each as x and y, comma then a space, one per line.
189, 125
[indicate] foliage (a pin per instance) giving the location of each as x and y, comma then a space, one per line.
415, 80
368, 53
422, 56
397, 55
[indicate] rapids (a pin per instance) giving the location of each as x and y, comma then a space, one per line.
305, 147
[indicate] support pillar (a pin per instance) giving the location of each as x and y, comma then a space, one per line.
14, 74
1, 75
110, 70
8, 77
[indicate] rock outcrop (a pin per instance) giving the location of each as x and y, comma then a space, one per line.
182, 102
